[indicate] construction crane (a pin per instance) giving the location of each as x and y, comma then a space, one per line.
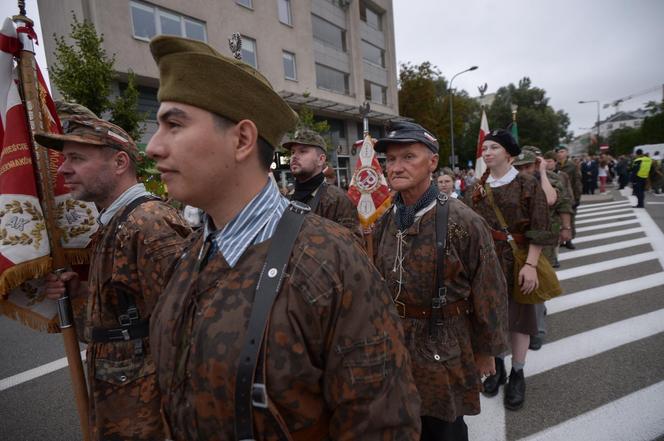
616, 104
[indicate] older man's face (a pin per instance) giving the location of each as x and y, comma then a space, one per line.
409, 166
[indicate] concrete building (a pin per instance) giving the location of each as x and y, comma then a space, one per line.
328, 55
620, 120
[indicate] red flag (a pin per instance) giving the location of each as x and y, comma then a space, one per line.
480, 166
24, 243
368, 187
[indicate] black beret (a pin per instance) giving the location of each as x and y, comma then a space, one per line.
505, 139
402, 132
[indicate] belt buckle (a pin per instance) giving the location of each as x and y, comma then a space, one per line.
259, 395
401, 308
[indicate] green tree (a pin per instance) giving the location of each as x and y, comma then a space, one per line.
539, 124
424, 97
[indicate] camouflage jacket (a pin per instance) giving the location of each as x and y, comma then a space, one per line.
136, 254
336, 205
335, 354
450, 384
574, 175
523, 205
564, 200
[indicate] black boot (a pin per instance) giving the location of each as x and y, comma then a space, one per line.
492, 382
515, 391
569, 245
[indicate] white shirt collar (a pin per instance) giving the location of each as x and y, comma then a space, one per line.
133, 192
506, 179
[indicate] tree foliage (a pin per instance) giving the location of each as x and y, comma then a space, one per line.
651, 131
424, 97
539, 124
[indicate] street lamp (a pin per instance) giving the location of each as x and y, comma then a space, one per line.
452, 112
596, 102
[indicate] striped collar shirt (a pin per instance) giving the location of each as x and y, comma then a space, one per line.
256, 223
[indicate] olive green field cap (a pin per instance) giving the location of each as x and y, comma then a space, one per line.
305, 137
192, 72
551, 154
525, 157
533, 149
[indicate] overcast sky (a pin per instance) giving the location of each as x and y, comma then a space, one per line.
574, 49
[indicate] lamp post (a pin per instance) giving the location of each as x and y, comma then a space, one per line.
449, 88
596, 102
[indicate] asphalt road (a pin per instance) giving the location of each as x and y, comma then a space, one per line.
599, 376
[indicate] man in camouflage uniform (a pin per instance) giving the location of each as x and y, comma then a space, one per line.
138, 240
307, 163
453, 346
333, 363
568, 166
531, 161
565, 212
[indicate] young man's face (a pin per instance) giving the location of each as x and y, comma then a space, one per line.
562, 155
306, 161
550, 164
409, 165
445, 184
195, 157
88, 171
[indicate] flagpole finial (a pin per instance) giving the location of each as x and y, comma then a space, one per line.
482, 89
235, 45
21, 7
365, 108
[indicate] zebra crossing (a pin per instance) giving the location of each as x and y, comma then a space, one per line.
600, 373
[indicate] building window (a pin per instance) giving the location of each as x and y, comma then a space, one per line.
285, 12
328, 34
373, 54
343, 169
147, 100
249, 51
376, 131
245, 3
148, 21
331, 79
375, 92
610, 126
337, 130
371, 16
290, 70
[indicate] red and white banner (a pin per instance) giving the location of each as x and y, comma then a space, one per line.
480, 166
24, 243
368, 187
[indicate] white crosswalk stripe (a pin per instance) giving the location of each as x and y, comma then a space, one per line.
607, 269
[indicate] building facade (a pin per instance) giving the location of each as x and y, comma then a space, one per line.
327, 55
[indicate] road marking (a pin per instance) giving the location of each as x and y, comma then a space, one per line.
653, 232
618, 420
590, 343
605, 265
603, 204
602, 248
31, 374
606, 225
610, 235
590, 221
622, 211
614, 206
604, 292
654, 203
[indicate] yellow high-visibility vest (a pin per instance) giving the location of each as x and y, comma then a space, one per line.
645, 163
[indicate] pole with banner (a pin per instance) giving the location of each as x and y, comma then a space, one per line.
368, 187
46, 215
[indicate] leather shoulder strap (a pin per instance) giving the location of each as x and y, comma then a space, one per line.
247, 394
439, 298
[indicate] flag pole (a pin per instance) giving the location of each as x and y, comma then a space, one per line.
367, 232
46, 180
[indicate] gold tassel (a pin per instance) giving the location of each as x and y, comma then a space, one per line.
29, 318
16, 275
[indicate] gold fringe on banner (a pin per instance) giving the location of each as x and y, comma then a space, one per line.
14, 276
28, 318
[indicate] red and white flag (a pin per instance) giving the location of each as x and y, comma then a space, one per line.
480, 166
368, 187
24, 243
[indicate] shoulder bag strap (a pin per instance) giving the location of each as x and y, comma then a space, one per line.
247, 394
439, 299
499, 215
322, 188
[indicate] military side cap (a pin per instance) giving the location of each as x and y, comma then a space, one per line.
550, 155
561, 147
192, 72
505, 139
91, 131
403, 132
525, 157
305, 137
